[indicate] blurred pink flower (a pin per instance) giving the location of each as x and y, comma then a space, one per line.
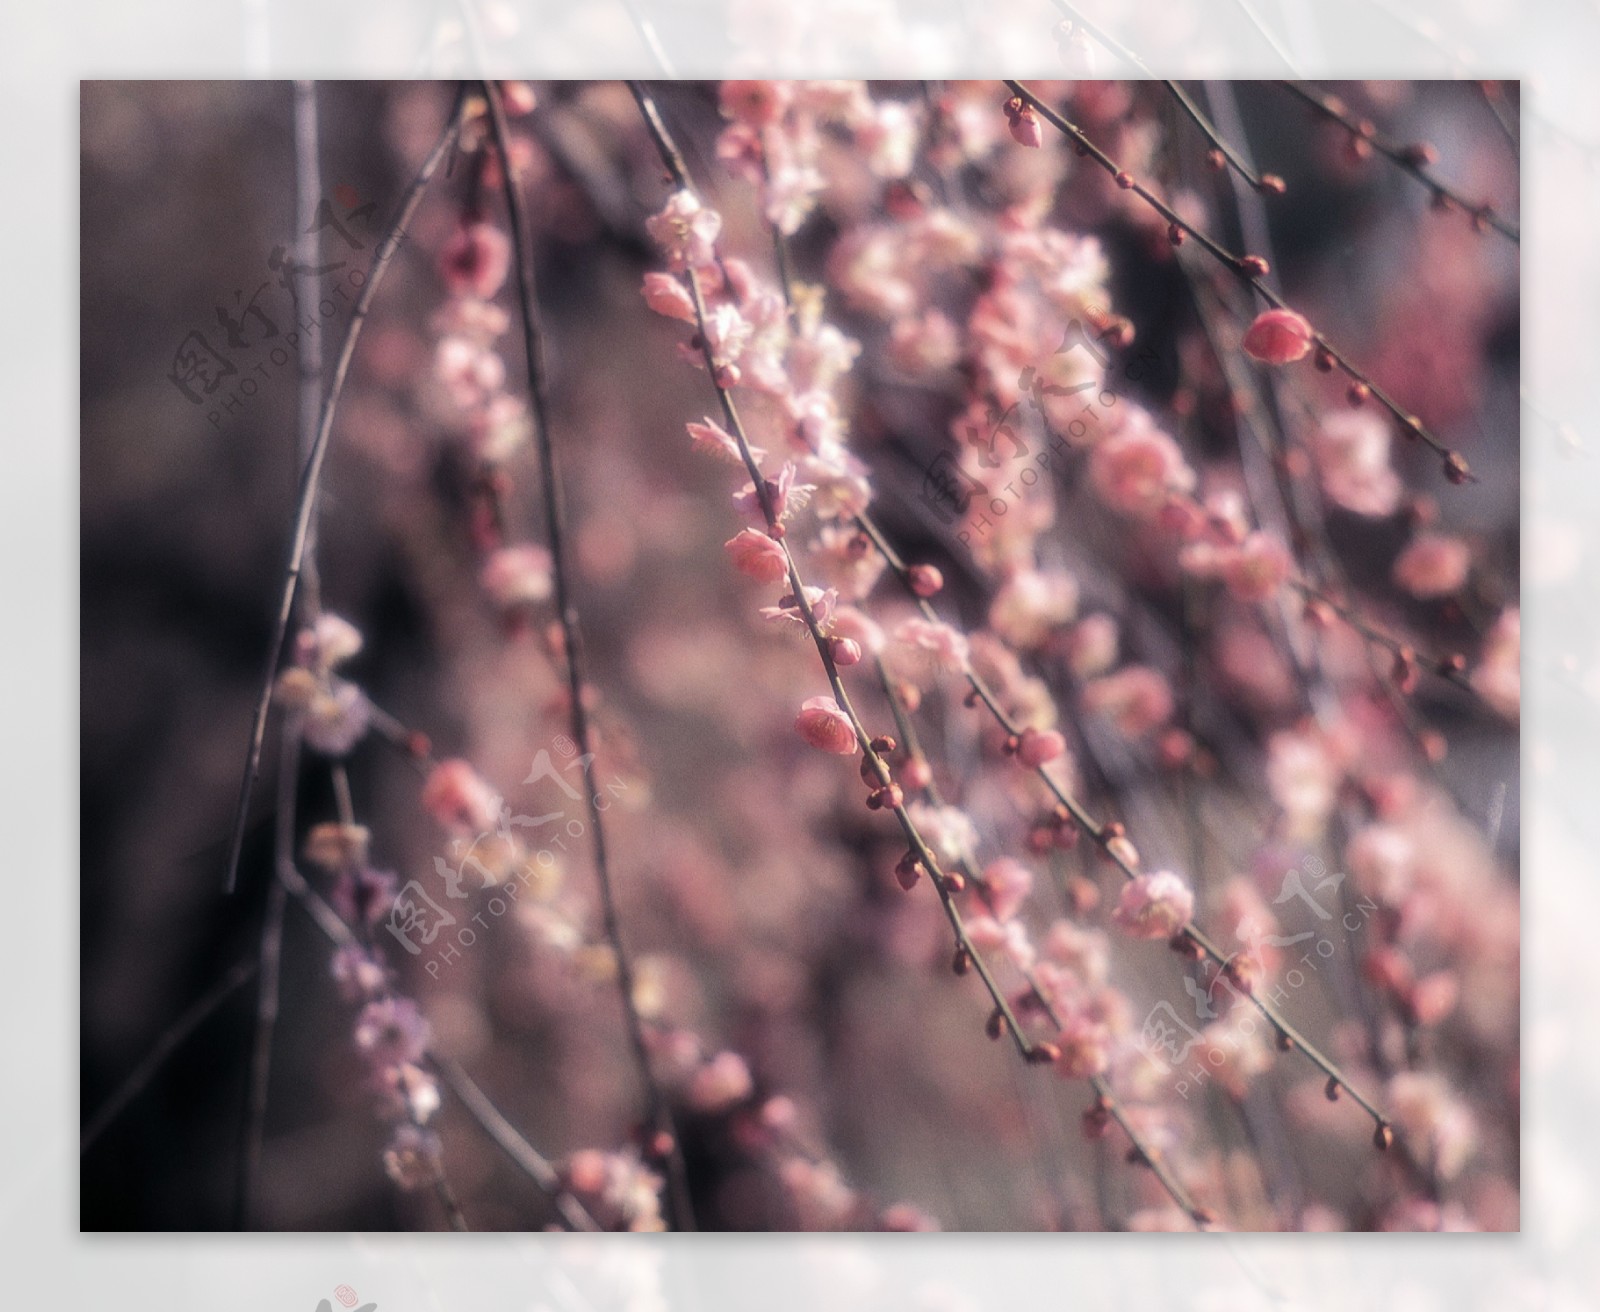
475, 260
1155, 905
1433, 565
457, 797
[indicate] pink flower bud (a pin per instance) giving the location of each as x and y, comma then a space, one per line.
1037, 746
925, 580
1026, 130
458, 798
822, 724
666, 295
475, 260
757, 555
1278, 337
845, 651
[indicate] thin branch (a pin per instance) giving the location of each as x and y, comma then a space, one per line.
1250, 270
311, 480
1105, 1098
308, 256
170, 1041
477, 1104
572, 642
1219, 143
1414, 159
1104, 835
533, 1163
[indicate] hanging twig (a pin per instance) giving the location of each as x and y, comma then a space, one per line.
671, 1151
311, 480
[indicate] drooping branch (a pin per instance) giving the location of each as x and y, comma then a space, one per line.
1251, 270
1414, 158
311, 479
671, 1150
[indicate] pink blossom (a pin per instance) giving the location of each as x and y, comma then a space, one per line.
1433, 1121
390, 1031
728, 333
1137, 699
518, 576
1351, 448
686, 231
336, 717
1026, 130
930, 646
889, 138
1009, 883
1279, 337
721, 1083
1303, 779
328, 643
784, 495
1155, 905
787, 611
757, 555
413, 1157
948, 830
1138, 470
475, 260
1083, 952
925, 345
1033, 604
457, 797
1036, 747
713, 440
471, 373
1085, 1048
1092, 646
1257, 568
849, 622
1433, 565
755, 103
667, 295
1497, 677
827, 728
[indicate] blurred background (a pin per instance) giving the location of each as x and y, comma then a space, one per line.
756, 891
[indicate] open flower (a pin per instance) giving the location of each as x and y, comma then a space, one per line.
757, 555
822, 724
1156, 905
